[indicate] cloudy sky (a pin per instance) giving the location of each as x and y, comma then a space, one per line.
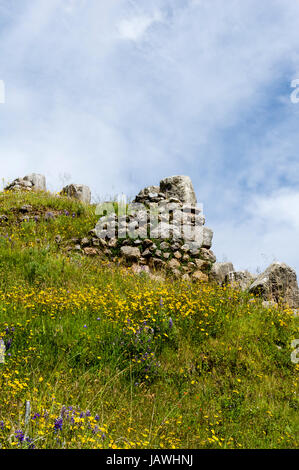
118, 94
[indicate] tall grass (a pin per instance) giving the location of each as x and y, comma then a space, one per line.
108, 359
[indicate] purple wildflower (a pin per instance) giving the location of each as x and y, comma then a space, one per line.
19, 435
58, 424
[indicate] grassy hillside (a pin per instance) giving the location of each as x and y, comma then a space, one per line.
109, 359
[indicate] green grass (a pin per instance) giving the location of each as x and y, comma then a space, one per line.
108, 359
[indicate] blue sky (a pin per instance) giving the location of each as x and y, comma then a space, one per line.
118, 94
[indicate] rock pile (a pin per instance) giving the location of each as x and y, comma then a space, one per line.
240, 279
33, 182
175, 189
163, 228
219, 272
78, 191
278, 283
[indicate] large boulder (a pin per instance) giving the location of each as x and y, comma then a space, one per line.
199, 276
179, 187
207, 255
78, 191
239, 279
33, 182
130, 253
219, 271
277, 283
147, 194
38, 181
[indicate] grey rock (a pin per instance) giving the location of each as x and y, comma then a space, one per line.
156, 263
33, 182
277, 282
38, 181
144, 193
194, 248
102, 242
90, 251
164, 230
239, 279
146, 253
106, 227
207, 255
153, 247
95, 242
130, 253
202, 265
173, 264
147, 243
220, 270
112, 243
153, 195
176, 273
85, 241
141, 216
164, 246
191, 209
199, 276
78, 191
176, 246
185, 247
179, 187
203, 236
207, 237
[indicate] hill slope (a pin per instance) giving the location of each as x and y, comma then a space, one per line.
110, 359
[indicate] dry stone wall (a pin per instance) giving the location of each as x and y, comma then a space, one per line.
164, 229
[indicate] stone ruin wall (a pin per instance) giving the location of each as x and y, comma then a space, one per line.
164, 230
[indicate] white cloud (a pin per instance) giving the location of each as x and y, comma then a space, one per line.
281, 208
267, 231
134, 28
120, 93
